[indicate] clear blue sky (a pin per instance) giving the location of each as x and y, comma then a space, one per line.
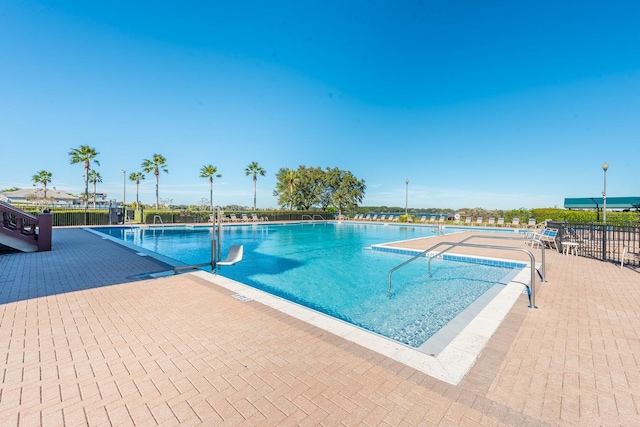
494, 104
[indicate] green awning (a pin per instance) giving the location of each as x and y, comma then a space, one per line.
597, 202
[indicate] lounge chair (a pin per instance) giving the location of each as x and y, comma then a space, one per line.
368, 217
245, 218
432, 219
423, 219
492, 221
531, 223
382, 218
628, 255
467, 220
396, 218
479, 220
233, 218
409, 218
254, 218
234, 256
374, 218
500, 222
515, 222
441, 219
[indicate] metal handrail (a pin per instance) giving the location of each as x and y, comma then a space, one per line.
302, 217
159, 217
531, 290
543, 273
321, 217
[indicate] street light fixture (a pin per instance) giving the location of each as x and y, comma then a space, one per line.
406, 198
605, 166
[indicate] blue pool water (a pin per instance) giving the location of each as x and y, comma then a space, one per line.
331, 267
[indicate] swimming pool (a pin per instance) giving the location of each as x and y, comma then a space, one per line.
331, 267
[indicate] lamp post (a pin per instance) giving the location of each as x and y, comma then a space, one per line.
124, 195
406, 198
605, 166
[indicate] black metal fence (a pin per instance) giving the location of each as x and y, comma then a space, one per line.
600, 241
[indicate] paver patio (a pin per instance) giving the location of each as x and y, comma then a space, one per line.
87, 339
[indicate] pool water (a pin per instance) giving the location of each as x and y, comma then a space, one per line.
330, 267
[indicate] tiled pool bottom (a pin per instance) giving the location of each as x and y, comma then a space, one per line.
448, 355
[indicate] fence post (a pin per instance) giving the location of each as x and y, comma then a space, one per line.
604, 242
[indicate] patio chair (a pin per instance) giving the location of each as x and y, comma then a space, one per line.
467, 220
432, 219
531, 223
423, 219
374, 218
254, 218
441, 219
500, 222
515, 222
628, 255
368, 217
245, 218
547, 237
492, 221
233, 218
479, 220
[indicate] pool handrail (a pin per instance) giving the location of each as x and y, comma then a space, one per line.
531, 289
543, 273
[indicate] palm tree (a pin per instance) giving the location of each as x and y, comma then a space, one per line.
154, 165
209, 172
84, 154
137, 177
254, 169
95, 178
42, 177
292, 178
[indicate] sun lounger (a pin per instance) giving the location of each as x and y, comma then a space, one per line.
432, 219
441, 219
423, 219
254, 218
479, 220
245, 218
531, 223
628, 255
382, 218
500, 222
233, 218
467, 220
234, 256
492, 221
515, 222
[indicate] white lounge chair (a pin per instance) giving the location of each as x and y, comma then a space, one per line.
254, 218
245, 218
479, 220
500, 222
492, 221
628, 255
233, 257
467, 220
233, 218
515, 222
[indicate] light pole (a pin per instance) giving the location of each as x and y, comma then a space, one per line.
124, 192
406, 198
605, 166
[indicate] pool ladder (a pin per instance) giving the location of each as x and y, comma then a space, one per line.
531, 288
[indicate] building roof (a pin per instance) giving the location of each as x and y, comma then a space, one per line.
51, 193
598, 202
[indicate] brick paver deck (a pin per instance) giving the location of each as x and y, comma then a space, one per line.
85, 341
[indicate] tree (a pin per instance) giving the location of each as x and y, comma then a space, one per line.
209, 171
43, 177
345, 190
95, 178
85, 155
255, 170
155, 164
137, 177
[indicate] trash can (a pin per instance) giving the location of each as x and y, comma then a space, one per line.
115, 216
